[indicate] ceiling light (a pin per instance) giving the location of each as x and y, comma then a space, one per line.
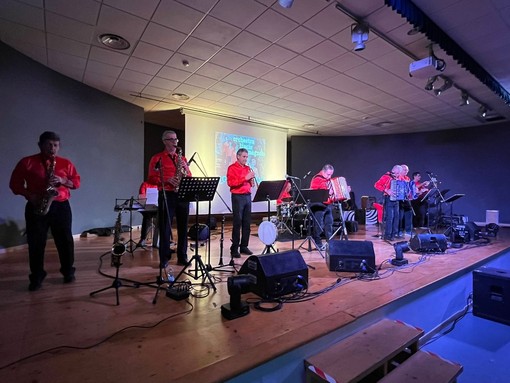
446, 85
464, 98
285, 3
113, 41
430, 83
180, 96
359, 34
413, 31
482, 111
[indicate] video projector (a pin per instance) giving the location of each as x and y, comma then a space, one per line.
427, 67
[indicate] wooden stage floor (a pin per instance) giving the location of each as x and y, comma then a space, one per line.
61, 334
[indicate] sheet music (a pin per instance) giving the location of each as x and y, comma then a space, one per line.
152, 196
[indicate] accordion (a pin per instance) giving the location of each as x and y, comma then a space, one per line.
340, 189
399, 189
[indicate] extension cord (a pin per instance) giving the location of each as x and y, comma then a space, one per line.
179, 291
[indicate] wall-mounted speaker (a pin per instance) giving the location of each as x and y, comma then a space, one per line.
428, 243
276, 274
353, 256
491, 294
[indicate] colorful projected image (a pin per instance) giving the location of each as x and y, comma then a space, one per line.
228, 144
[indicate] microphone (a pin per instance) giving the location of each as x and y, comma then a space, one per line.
191, 159
287, 176
158, 164
307, 174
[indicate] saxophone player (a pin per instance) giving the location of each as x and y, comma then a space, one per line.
45, 180
166, 169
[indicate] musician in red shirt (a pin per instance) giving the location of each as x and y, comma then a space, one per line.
45, 180
240, 179
322, 212
390, 208
166, 169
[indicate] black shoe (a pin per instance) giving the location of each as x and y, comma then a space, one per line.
69, 279
245, 250
235, 254
36, 283
34, 286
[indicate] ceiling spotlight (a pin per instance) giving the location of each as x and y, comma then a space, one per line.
482, 111
430, 83
180, 96
285, 3
446, 85
359, 34
113, 41
464, 98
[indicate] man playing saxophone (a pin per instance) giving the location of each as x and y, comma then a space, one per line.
45, 180
166, 169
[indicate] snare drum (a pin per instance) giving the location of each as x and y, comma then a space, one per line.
267, 232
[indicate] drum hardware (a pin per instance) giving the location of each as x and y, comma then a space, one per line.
268, 191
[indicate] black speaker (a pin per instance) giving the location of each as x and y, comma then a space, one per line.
276, 274
491, 294
200, 230
355, 256
428, 243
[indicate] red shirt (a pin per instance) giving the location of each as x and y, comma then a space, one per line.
168, 166
320, 182
236, 178
384, 183
143, 188
29, 177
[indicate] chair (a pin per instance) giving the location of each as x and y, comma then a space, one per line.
379, 208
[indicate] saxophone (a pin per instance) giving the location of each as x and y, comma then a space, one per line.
50, 193
118, 247
181, 170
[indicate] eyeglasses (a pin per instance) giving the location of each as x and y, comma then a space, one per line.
171, 139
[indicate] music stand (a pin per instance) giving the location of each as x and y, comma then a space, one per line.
269, 191
196, 189
450, 201
310, 196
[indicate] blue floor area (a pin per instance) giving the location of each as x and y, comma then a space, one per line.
481, 346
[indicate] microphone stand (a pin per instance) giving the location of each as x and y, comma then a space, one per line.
160, 280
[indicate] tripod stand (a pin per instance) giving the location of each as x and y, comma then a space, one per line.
316, 196
197, 189
118, 250
220, 263
129, 204
268, 191
449, 232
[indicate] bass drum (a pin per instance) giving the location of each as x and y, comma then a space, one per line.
267, 233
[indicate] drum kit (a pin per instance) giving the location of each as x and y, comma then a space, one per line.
291, 218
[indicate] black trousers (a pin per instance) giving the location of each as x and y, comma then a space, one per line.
179, 210
59, 221
390, 217
241, 209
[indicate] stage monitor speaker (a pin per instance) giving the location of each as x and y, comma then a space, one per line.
200, 230
491, 294
276, 274
428, 243
353, 256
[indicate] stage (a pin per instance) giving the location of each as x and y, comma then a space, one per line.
61, 333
